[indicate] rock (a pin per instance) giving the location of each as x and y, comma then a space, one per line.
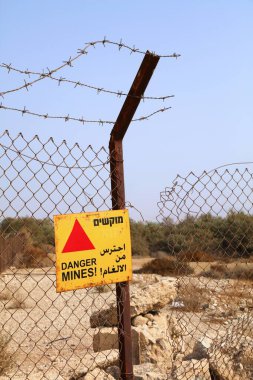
192, 370
149, 371
105, 359
230, 354
143, 299
152, 344
223, 367
98, 374
105, 339
139, 321
114, 371
200, 349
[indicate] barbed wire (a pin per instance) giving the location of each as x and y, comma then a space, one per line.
77, 119
77, 84
80, 53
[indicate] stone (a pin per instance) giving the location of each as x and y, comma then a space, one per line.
152, 344
148, 371
105, 339
105, 359
223, 367
143, 299
192, 370
200, 349
139, 321
114, 371
230, 354
98, 374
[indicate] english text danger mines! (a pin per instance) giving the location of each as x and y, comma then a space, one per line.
72, 272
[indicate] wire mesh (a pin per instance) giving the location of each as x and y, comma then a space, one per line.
45, 335
208, 225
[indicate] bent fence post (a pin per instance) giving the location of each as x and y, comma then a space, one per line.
122, 123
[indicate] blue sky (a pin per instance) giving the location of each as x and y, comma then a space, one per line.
210, 122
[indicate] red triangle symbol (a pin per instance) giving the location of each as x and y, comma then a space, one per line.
78, 240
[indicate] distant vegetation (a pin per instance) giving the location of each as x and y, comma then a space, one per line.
41, 231
25, 242
206, 238
196, 239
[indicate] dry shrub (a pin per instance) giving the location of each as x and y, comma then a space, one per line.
5, 357
166, 267
193, 297
198, 256
221, 271
32, 257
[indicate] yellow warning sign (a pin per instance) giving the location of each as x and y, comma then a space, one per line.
92, 249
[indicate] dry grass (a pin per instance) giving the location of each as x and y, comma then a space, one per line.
166, 267
222, 271
193, 297
198, 256
5, 357
32, 257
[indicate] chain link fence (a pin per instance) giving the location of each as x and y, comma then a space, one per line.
208, 223
195, 322
45, 335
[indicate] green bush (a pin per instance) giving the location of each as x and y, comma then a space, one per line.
207, 236
40, 230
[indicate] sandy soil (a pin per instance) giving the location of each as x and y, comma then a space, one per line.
50, 333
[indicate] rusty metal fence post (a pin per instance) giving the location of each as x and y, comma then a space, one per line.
123, 121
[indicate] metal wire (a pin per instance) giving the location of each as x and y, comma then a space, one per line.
77, 84
208, 219
82, 120
44, 334
70, 61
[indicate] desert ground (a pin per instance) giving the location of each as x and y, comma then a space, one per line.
51, 336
